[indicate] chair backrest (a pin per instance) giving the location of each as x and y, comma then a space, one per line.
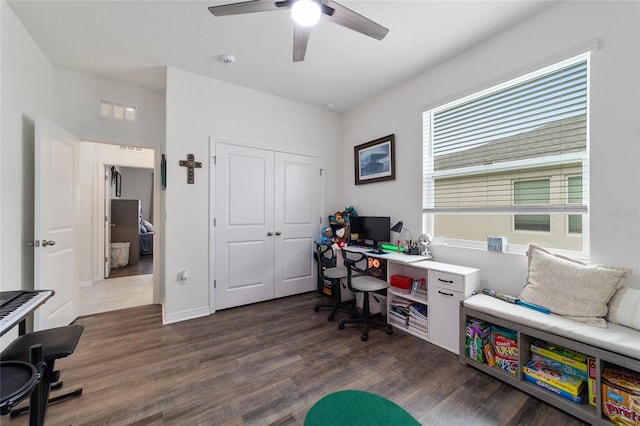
357, 261
326, 258
326, 255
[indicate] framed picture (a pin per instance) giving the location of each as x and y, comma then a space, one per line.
375, 161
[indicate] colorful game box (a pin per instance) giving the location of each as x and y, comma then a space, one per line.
547, 386
505, 346
478, 333
621, 396
562, 359
562, 381
560, 366
593, 384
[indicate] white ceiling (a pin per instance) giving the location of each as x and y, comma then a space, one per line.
134, 40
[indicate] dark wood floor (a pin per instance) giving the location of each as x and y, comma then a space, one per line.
267, 364
144, 266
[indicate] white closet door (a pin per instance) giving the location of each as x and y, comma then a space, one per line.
297, 220
244, 218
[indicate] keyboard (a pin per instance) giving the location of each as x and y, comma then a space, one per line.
16, 305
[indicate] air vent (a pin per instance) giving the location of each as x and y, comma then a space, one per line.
117, 111
131, 148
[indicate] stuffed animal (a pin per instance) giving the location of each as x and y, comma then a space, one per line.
342, 236
326, 235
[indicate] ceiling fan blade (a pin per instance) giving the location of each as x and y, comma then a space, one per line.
252, 6
300, 40
354, 21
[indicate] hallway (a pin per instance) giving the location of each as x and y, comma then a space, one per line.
116, 293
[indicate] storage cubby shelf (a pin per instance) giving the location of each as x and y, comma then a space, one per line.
526, 334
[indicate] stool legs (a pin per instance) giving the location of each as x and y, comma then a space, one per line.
39, 394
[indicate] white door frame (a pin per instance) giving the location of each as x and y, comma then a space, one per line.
158, 220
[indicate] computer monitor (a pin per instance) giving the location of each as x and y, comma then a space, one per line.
376, 229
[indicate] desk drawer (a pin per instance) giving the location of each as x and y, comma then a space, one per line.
446, 280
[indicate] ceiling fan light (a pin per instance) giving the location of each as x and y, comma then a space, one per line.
306, 13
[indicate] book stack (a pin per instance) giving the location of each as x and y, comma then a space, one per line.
418, 317
399, 311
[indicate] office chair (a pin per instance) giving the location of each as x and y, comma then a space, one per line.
358, 281
56, 343
327, 270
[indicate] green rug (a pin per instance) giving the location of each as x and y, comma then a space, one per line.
354, 408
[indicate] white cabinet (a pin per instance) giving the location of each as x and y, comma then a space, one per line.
447, 286
445, 293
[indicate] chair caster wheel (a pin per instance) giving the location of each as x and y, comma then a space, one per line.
341, 326
390, 331
316, 308
330, 317
364, 337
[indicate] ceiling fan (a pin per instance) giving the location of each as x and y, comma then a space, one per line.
331, 11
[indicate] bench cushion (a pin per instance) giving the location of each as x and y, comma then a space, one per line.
615, 338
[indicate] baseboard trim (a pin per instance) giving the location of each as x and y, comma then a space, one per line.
86, 283
170, 318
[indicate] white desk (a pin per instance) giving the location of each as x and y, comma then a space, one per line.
447, 286
391, 256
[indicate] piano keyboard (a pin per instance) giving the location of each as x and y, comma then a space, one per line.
16, 305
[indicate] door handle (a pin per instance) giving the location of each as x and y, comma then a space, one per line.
48, 243
278, 233
269, 234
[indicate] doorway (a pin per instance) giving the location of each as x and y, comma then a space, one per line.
135, 283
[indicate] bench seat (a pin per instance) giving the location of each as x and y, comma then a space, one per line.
616, 338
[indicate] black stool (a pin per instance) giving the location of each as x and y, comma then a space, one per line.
56, 343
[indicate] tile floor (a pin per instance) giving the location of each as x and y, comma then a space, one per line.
116, 293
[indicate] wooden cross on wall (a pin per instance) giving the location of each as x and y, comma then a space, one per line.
190, 164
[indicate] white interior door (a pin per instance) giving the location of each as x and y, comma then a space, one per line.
244, 221
107, 221
56, 212
297, 219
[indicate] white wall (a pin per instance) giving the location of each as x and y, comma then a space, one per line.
137, 185
615, 130
26, 93
76, 99
199, 108
27, 90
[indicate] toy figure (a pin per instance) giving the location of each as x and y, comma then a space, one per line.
342, 236
326, 235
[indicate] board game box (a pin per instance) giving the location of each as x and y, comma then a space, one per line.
566, 360
541, 371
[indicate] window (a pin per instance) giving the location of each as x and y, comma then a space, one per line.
532, 192
574, 196
511, 160
117, 111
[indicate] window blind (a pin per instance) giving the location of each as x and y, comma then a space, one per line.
532, 129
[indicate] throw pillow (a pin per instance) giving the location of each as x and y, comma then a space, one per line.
624, 307
147, 225
571, 288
